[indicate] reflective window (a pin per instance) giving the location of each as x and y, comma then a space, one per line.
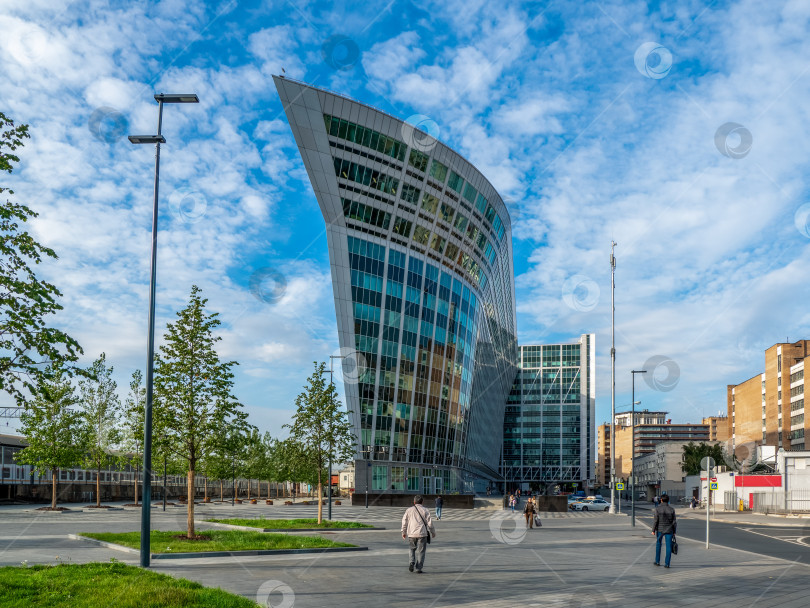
430, 203
490, 214
437, 243
358, 134
451, 251
421, 235
417, 160
446, 212
438, 171
455, 181
470, 193
460, 223
480, 203
409, 193
365, 213
363, 175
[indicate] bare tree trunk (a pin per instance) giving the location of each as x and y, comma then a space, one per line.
136, 487
53, 488
206, 488
98, 487
190, 495
220, 492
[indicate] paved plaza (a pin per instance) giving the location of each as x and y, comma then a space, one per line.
479, 559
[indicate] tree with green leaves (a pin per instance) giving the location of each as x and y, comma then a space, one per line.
693, 454
102, 413
193, 388
30, 350
132, 424
54, 429
321, 427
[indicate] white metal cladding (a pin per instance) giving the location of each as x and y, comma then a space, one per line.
360, 171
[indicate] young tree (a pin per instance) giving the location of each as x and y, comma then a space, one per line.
193, 387
132, 428
321, 427
27, 344
102, 412
54, 429
693, 454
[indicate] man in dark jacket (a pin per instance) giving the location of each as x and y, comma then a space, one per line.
664, 527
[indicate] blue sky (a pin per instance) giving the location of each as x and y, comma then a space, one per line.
596, 121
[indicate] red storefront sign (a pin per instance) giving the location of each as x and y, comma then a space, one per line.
758, 481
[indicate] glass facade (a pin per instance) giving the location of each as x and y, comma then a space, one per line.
549, 419
424, 293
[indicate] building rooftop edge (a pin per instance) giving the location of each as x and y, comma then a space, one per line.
453, 150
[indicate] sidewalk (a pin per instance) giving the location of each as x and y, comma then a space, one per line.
493, 562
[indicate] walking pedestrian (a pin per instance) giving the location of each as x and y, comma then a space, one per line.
655, 501
664, 526
418, 529
439, 503
529, 512
512, 502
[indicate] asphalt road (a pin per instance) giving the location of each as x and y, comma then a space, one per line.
788, 542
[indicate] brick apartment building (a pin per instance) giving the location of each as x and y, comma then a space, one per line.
768, 409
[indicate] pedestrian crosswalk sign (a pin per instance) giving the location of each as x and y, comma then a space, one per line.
713, 485
620, 486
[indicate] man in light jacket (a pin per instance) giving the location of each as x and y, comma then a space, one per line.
416, 525
664, 527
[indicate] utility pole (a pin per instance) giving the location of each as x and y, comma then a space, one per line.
612, 378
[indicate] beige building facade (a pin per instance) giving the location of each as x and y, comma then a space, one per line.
768, 409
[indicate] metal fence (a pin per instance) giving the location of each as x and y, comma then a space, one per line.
779, 501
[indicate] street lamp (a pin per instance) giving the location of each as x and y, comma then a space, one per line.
158, 139
633, 451
612, 379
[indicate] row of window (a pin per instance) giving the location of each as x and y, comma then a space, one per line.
358, 134
349, 131
796, 376
363, 175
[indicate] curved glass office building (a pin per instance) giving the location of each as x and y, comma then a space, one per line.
420, 249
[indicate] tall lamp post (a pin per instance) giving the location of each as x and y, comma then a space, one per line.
633, 451
612, 379
146, 524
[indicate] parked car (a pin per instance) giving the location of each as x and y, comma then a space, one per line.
642, 495
595, 504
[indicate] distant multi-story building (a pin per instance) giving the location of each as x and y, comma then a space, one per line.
644, 440
768, 409
718, 427
549, 420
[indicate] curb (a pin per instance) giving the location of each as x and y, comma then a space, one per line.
285, 530
103, 543
200, 554
254, 553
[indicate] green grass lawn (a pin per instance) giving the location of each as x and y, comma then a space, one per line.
216, 540
104, 585
289, 524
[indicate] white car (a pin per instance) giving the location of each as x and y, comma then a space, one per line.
591, 504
